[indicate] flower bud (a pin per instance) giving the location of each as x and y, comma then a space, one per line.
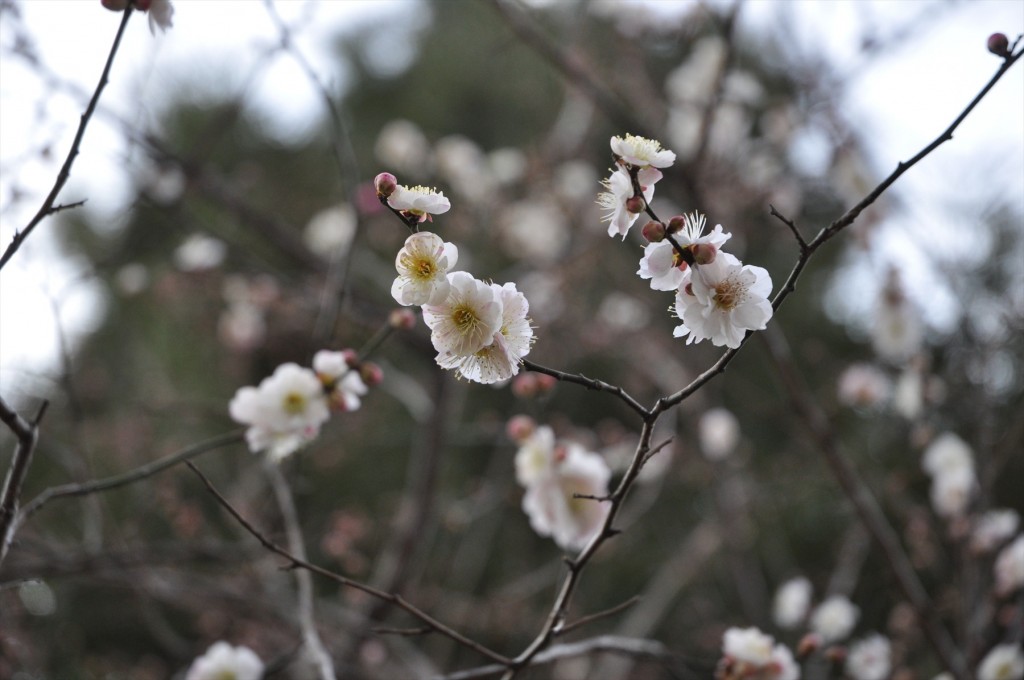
351, 357
703, 253
654, 231
676, 224
371, 373
525, 386
142, 5
385, 183
808, 645
635, 204
520, 427
402, 318
545, 382
115, 5
999, 45
836, 654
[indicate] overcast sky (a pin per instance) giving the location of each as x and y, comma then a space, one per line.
901, 100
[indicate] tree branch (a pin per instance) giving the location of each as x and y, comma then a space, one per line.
27, 434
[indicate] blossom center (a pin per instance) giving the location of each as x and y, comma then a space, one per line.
420, 267
465, 319
294, 403
729, 294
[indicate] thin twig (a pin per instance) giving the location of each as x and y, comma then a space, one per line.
792, 227
27, 434
47, 208
398, 600
589, 383
597, 616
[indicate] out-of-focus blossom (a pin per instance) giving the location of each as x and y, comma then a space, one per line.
423, 264
952, 491
468, 318
242, 326
994, 527
870, 659
722, 300
621, 206
834, 618
1009, 567
719, 432
500, 359
330, 231
1003, 662
535, 458
792, 602
947, 453
749, 653
864, 386
224, 662
551, 500
642, 152
161, 16
283, 413
897, 333
199, 252
465, 168
132, 278
419, 202
534, 229
402, 145
908, 397
345, 384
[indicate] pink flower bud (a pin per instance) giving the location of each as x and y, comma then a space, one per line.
545, 382
525, 386
703, 253
371, 373
808, 645
999, 45
143, 5
520, 427
115, 5
402, 318
676, 224
654, 231
385, 183
351, 357
635, 204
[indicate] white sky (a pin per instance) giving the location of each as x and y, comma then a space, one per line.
902, 100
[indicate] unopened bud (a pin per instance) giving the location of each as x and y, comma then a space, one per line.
142, 5
402, 318
371, 373
808, 645
654, 231
676, 224
115, 5
351, 357
703, 253
525, 386
836, 654
385, 183
545, 382
635, 204
999, 44
520, 427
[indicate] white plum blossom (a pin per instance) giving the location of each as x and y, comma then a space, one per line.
551, 500
345, 384
1003, 662
947, 453
864, 386
283, 413
1009, 567
719, 432
870, 659
500, 359
423, 264
952, 490
994, 527
692, 232
620, 191
722, 300
834, 618
642, 152
749, 653
224, 662
662, 265
468, 318
792, 602
898, 332
419, 202
535, 458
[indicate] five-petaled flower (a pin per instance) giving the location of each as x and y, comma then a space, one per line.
642, 152
466, 321
418, 202
423, 264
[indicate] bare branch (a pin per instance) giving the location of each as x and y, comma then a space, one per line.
589, 383
27, 434
47, 208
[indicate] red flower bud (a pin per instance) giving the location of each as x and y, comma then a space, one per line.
525, 386
635, 204
545, 382
676, 224
654, 231
351, 357
703, 253
371, 373
520, 427
808, 645
999, 45
385, 183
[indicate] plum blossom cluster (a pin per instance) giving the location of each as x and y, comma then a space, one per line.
480, 330
223, 661
718, 298
749, 654
564, 484
287, 409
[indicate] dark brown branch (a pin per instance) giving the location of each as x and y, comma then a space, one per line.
589, 383
792, 227
597, 616
397, 600
47, 208
27, 434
